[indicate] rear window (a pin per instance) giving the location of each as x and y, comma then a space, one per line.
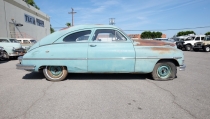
81, 36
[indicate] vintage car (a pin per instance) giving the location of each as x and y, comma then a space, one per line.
26, 42
12, 48
205, 44
100, 49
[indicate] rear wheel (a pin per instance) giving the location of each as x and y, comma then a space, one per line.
207, 48
55, 73
188, 47
164, 71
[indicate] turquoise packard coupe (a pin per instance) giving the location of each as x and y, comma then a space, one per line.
101, 49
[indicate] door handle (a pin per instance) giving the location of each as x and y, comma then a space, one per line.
92, 45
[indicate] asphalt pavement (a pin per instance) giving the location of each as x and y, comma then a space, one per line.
26, 95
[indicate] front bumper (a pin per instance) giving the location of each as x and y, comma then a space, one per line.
25, 67
16, 54
182, 67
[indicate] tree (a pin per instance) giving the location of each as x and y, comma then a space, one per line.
183, 33
32, 3
149, 34
68, 24
51, 29
207, 33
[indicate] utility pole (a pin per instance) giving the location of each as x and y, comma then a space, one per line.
72, 12
111, 21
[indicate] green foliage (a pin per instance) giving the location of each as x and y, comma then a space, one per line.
207, 33
149, 34
32, 3
51, 29
68, 24
183, 33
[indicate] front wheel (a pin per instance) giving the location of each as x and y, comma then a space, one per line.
55, 73
188, 47
164, 71
207, 48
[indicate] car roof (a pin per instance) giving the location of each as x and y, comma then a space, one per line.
54, 36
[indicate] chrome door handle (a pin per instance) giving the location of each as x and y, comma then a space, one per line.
92, 45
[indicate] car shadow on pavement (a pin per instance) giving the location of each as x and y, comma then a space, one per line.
34, 76
99, 76
91, 76
3, 61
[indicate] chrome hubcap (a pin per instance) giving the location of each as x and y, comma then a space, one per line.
55, 70
164, 71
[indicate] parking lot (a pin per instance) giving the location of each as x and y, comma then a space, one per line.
28, 95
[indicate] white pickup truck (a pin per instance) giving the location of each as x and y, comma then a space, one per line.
191, 40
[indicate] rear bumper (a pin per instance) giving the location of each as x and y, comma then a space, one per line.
25, 67
182, 67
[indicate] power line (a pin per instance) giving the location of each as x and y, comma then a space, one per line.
161, 29
171, 29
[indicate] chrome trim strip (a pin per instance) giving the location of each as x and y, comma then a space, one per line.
123, 58
54, 58
158, 57
25, 67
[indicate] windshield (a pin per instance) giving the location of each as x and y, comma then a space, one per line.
4, 40
33, 41
13, 40
189, 38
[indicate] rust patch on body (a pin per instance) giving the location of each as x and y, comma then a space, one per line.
152, 43
162, 50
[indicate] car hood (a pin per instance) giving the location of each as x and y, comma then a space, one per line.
15, 45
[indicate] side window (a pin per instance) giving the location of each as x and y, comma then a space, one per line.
108, 35
81, 36
4, 40
26, 41
19, 41
207, 38
202, 38
197, 38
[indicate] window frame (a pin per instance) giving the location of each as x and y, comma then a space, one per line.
116, 30
78, 37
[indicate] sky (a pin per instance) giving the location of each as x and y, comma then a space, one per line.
135, 15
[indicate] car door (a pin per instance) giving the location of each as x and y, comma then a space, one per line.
110, 51
71, 49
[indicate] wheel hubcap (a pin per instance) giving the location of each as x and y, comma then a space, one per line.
164, 71
207, 48
55, 70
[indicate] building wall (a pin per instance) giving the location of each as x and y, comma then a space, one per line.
12, 12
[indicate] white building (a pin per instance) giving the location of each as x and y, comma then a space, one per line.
21, 20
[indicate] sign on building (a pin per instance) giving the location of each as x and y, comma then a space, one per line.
29, 19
